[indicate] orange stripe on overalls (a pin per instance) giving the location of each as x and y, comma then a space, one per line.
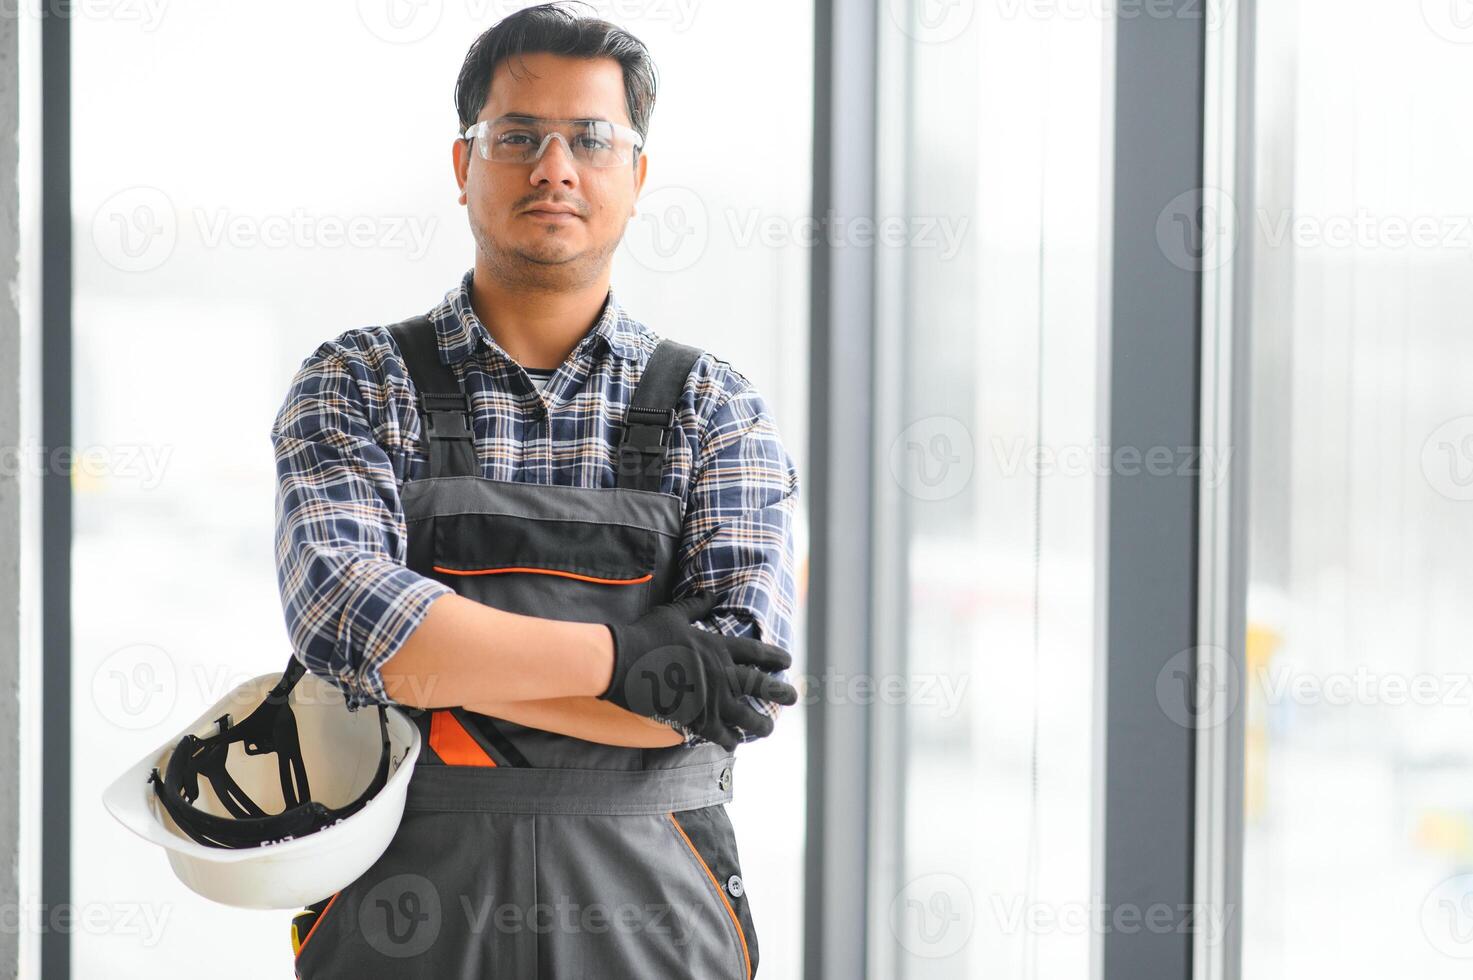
453, 744
544, 571
746, 956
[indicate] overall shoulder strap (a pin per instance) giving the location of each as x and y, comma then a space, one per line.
444, 407
650, 419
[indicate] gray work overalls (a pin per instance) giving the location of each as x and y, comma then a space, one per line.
524, 853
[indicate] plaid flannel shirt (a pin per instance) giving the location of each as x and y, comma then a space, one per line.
348, 434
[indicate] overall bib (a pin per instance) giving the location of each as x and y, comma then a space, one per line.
525, 853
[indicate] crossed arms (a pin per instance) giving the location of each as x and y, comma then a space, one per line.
383, 633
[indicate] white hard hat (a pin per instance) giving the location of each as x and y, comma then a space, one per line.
260, 835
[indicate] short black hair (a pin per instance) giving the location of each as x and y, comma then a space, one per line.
553, 28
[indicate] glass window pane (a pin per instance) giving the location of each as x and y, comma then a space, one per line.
1000, 185
254, 179
1359, 817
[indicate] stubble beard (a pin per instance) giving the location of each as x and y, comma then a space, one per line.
534, 271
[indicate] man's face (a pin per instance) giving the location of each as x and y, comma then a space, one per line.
525, 247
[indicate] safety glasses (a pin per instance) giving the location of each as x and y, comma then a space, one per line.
523, 139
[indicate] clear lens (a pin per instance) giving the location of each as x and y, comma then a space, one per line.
592, 142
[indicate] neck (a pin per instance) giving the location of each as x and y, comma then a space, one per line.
538, 329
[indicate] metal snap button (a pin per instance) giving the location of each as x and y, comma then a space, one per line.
724, 781
734, 885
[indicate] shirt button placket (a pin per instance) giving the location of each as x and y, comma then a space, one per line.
542, 428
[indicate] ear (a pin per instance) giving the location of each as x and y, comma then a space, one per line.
461, 160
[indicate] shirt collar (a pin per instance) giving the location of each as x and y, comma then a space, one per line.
461, 333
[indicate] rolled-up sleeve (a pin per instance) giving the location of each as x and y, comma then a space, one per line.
737, 540
348, 598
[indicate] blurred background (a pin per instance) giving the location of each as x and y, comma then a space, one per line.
283, 172
1359, 763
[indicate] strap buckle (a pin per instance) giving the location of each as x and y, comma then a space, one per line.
446, 416
645, 441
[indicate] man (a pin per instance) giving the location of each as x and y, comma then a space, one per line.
561, 540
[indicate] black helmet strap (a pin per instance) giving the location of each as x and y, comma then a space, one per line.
270, 727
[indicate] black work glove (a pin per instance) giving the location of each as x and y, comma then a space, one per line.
665, 668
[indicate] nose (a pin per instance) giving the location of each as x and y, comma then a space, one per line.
555, 161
